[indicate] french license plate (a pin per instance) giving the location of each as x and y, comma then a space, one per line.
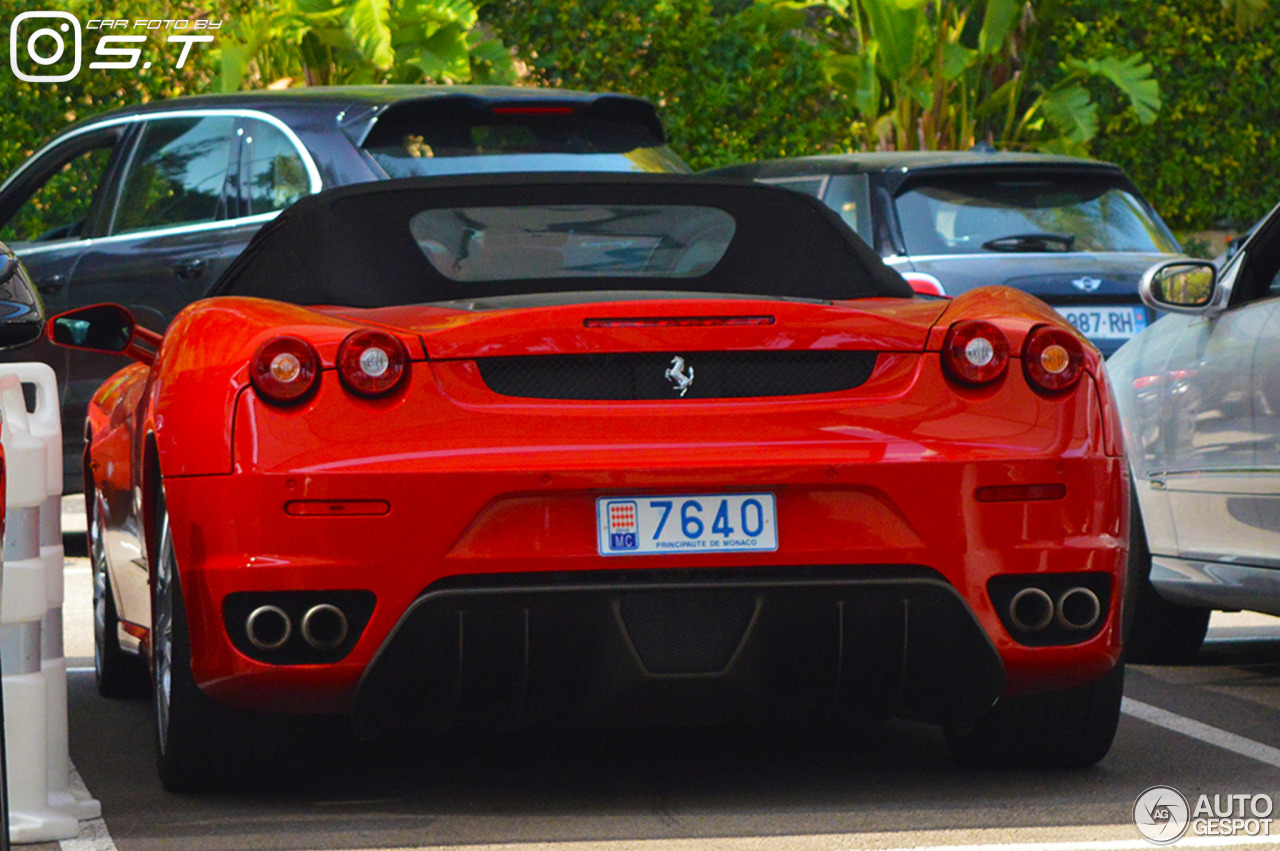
688, 523
1106, 323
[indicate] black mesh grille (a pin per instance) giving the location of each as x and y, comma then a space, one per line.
716, 375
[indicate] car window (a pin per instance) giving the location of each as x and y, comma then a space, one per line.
410, 145
961, 215
58, 208
276, 175
850, 196
1258, 276
573, 241
178, 174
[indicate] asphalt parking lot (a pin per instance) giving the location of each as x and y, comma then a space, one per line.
1208, 728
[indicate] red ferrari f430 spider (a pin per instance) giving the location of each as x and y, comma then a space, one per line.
602, 449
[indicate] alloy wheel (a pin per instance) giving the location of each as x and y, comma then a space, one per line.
98, 556
162, 630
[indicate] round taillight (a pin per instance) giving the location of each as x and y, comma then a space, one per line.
1052, 358
975, 352
284, 369
372, 362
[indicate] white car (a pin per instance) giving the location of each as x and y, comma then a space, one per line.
1199, 396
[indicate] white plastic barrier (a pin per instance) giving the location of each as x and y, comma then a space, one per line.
42, 805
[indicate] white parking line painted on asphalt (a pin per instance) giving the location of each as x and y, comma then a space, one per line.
1104, 845
93, 837
859, 842
93, 832
1201, 732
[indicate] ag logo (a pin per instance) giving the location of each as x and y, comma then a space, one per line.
1161, 815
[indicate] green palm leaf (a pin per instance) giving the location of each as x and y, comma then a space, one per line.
1131, 75
370, 30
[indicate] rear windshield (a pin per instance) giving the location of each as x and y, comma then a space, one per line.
962, 215
579, 241
415, 146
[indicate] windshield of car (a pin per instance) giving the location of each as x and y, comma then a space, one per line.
413, 146
1066, 212
443, 239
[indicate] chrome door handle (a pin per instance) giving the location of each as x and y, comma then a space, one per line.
189, 269
51, 284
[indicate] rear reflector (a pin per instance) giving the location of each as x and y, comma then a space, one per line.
923, 283
676, 321
1020, 493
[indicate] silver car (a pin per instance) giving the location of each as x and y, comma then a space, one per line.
1199, 395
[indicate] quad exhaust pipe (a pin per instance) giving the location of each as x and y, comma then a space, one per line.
1076, 609
324, 627
1031, 610
268, 627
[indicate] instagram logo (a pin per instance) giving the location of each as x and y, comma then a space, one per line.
45, 45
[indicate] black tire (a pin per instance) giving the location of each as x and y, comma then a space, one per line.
1070, 728
1156, 632
119, 674
201, 745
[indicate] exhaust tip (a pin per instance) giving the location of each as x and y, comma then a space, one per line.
268, 627
1078, 608
324, 627
1031, 610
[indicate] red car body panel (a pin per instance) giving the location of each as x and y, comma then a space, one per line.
444, 478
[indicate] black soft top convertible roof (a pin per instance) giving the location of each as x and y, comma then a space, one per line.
352, 245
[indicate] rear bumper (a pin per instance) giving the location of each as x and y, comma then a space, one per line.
444, 540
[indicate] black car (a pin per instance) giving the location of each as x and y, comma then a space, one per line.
146, 206
1074, 232
21, 314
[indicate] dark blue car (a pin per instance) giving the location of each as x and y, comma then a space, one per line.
1074, 232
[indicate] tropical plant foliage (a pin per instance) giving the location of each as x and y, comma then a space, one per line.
946, 74
1213, 157
325, 42
732, 81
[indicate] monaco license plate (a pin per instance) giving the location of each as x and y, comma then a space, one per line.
1106, 323
688, 523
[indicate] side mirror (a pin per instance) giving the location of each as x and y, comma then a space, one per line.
21, 314
104, 328
1180, 286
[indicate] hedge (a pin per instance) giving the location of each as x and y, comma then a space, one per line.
728, 87
1212, 158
